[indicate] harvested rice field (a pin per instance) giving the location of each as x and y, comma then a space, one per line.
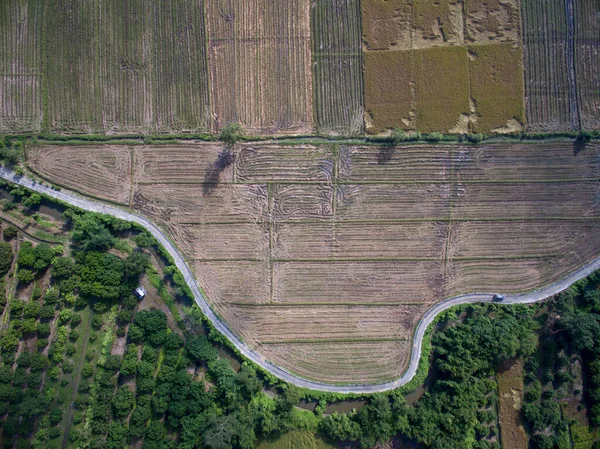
260, 60
324, 258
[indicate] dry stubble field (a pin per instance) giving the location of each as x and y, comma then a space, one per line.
324, 258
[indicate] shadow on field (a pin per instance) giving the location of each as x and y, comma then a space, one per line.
213, 172
385, 155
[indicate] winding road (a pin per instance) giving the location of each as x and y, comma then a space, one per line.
97, 206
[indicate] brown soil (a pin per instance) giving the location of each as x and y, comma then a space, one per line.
313, 253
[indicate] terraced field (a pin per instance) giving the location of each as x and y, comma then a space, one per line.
324, 259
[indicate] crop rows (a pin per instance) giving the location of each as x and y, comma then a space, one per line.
341, 362
337, 67
181, 93
259, 54
545, 39
587, 59
310, 249
71, 67
105, 174
20, 64
109, 66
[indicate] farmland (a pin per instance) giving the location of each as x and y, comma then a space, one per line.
260, 62
337, 66
20, 59
115, 68
277, 239
439, 67
587, 60
545, 43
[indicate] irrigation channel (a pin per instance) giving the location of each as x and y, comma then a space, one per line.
97, 206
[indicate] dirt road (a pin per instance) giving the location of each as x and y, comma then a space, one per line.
97, 206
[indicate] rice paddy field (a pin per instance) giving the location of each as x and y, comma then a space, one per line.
324, 258
299, 67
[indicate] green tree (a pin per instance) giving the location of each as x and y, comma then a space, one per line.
6, 257
231, 133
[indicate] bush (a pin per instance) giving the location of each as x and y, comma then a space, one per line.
6, 257
25, 276
231, 133
10, 232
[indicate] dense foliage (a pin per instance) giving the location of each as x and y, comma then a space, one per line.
457, 408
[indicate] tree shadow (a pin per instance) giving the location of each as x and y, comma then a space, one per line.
385, 155
213, 172
578, 146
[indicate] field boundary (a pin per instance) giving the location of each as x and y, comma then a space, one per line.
417, 338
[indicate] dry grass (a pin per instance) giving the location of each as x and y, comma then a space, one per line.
442, 76
510, 390
387, 24
164, 164
324, 258
357, 282
492, 20
389, 95
497, 85
326, 359
260, 162
347, 240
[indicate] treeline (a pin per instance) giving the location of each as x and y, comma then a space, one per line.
459, 409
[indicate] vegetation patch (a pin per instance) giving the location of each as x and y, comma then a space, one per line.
497, 86
442, 83
389, 91
510, 401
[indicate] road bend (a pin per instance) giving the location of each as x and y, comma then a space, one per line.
97, 206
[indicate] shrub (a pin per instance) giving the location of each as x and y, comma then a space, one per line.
231, 133
25, 276
6, 257
10, 232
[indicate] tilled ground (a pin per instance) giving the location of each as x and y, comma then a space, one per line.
325, 258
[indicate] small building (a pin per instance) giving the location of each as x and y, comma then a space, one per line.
140, 292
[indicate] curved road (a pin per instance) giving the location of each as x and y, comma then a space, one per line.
96, 206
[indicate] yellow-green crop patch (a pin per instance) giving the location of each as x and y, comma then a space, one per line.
497, 85
442, 80
388, 92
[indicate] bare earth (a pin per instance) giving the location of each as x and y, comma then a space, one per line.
324, 259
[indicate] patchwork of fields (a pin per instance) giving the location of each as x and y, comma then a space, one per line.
299, 67
443, 66
277, 239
